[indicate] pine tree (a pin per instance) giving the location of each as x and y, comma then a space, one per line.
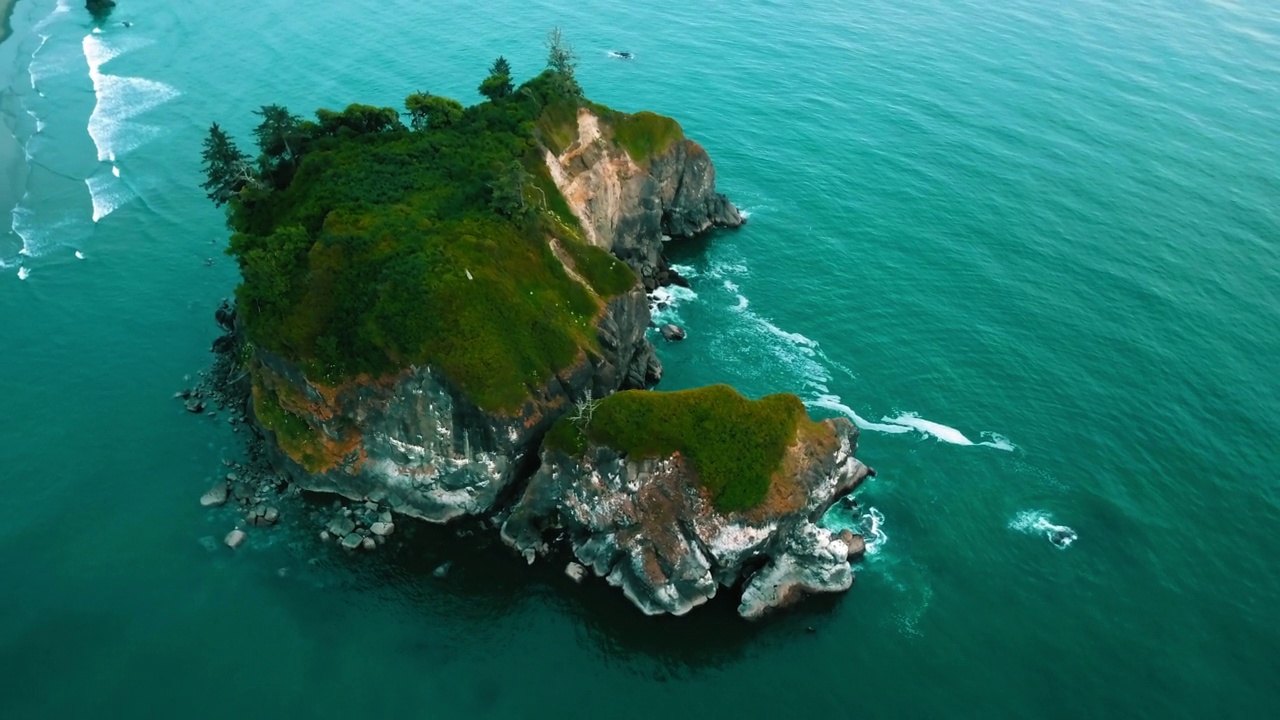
563, 61
226, 167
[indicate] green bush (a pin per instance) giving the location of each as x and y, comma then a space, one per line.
735, 445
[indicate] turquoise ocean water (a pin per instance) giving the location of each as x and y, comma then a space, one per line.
1032, 247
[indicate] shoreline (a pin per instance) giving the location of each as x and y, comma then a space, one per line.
11, 150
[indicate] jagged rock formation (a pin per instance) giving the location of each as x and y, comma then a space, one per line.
414, 442
648, 528
627, 207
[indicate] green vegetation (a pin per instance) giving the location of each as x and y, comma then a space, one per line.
644, 134
734, 444
292, 432
366, 244
100, 9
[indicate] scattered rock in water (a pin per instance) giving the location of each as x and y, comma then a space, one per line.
575, 572
194, 405
325, 536
352, 541
342, 527
261, 515
443, 570
672, 333
382, 529
368, 543
208, 542
856, 544
234, 538
216, 495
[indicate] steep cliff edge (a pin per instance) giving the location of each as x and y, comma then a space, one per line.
653, 521
419, 444
632, 180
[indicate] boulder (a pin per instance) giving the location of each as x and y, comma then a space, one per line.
443, 570
856, 544
672, 333
342, 527
382, 529
368, 543
194, 405
234, 538
216, 495
575, 572
352, 541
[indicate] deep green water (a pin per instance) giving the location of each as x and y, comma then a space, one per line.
1047, 227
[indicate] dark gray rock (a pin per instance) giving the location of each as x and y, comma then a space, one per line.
672, 333
856, 543
194, 405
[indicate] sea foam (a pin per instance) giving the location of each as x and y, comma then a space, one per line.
118, 100
1036, 522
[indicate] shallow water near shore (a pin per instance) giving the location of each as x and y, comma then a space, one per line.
1032, 249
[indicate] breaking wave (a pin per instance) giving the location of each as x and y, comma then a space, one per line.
118, 100
108, 194
1035, 522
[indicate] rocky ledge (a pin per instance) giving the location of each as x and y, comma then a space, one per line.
647, 526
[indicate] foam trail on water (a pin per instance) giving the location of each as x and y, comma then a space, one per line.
664, 303
115, 170
928, 427
1036, 522
832, 402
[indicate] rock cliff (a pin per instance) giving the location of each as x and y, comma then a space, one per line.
648, 528
629, 206
417, 444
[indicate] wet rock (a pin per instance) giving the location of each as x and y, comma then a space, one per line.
382, 529
856, 544
234, 538
325, 536
194, 405
262, 515
368, 544
216, 495
342, 527
575, 572
352, 541
442, 570
672, 333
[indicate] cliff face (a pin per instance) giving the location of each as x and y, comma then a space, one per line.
627, 207
648, 528
416, 443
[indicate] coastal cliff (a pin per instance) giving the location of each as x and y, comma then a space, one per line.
448, 318
417, 443
630, 197
649, 523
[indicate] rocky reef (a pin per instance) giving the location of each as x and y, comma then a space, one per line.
648, 526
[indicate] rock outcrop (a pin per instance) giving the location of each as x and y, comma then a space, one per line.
414, 442
647, 527
629, 207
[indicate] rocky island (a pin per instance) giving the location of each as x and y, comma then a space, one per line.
448, 317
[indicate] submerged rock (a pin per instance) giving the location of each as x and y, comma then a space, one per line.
234, 538
575, 572
216, 495
442, 570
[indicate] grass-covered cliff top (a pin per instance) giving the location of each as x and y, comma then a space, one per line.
735, 445
371, 239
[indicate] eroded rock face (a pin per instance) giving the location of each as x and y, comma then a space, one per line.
646, 526
627, 208
415, 442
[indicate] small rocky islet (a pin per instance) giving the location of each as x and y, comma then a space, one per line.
449, 318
